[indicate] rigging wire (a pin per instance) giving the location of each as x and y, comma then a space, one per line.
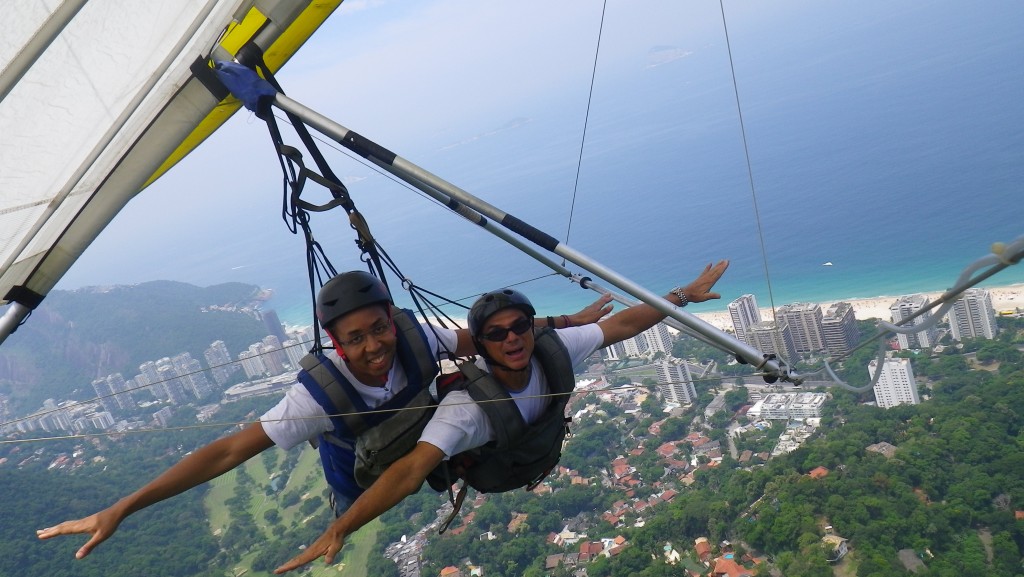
387, 175
574, 393
1003, 256
586, 122
746, 155
99, 398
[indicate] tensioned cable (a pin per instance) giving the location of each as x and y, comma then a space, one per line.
746, 155
352, 156
575, 392
586, 122
92, 400
99, 398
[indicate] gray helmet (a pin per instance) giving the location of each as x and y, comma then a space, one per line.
347, 292
494, 301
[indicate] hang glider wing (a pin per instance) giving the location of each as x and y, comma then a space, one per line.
97, 100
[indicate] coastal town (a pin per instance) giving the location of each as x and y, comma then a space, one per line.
680, 416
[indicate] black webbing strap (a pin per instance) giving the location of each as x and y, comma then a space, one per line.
456, 507
294, 209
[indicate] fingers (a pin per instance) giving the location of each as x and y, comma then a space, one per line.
311, 553
97, 538
65, 528
73, 528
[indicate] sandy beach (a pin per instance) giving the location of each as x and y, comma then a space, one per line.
1004, 298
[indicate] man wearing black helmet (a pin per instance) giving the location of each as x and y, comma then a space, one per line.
328, 403
526, 369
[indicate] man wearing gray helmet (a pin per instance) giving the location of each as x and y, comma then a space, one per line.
529, 370
344, 398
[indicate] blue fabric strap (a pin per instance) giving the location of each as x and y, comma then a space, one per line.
244, 83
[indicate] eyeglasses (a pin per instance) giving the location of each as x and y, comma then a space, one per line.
377, 331
501, 333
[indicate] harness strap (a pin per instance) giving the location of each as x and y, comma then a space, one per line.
506, 420
456, 507
342, 401
330, 385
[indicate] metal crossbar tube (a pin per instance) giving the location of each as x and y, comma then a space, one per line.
445, 192
13, 317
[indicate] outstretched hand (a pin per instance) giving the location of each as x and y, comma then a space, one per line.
327, 546
100, 525
699, 290
592, 312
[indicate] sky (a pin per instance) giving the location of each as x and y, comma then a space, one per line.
420, 78
444, 83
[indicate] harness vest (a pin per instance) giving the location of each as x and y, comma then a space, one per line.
522, 454
366, 440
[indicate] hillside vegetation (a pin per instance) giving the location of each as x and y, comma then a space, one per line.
77, 336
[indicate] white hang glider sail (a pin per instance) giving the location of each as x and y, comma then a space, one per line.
97, 100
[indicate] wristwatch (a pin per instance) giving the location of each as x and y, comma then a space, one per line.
683, 299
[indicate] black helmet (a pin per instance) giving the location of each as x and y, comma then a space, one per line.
494, 301
347, 292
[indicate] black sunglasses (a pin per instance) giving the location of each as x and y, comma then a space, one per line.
499, 334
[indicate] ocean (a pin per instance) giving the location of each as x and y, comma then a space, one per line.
885, 155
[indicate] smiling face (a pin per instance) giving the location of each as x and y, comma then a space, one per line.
369, 348
514, 351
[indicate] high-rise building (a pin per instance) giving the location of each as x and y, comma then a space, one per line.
773, 338
744, 314
163, 416
105, 393
191, 375
804, 320
839, 329
274, 357
273, 324
906, 306
972, 316
896, 384
168, 378
675, 383
123, 397
219, 360
252, 363
294, 351
659, 340
614, 352
636, 346
148, 377
112, 391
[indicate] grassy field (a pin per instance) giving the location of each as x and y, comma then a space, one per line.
221, 489
357, 550
307, 477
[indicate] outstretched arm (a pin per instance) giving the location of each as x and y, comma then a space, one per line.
585, 316
400, 480
638, 318
198, 467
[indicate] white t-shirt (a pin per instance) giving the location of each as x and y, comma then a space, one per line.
460, 424
298, 417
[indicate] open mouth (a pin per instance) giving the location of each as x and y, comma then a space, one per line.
516, 354
379, 362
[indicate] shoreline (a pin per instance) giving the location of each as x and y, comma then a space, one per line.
1007, 297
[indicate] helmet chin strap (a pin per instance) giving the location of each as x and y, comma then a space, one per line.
337, 346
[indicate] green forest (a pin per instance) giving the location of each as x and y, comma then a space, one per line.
947, 497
